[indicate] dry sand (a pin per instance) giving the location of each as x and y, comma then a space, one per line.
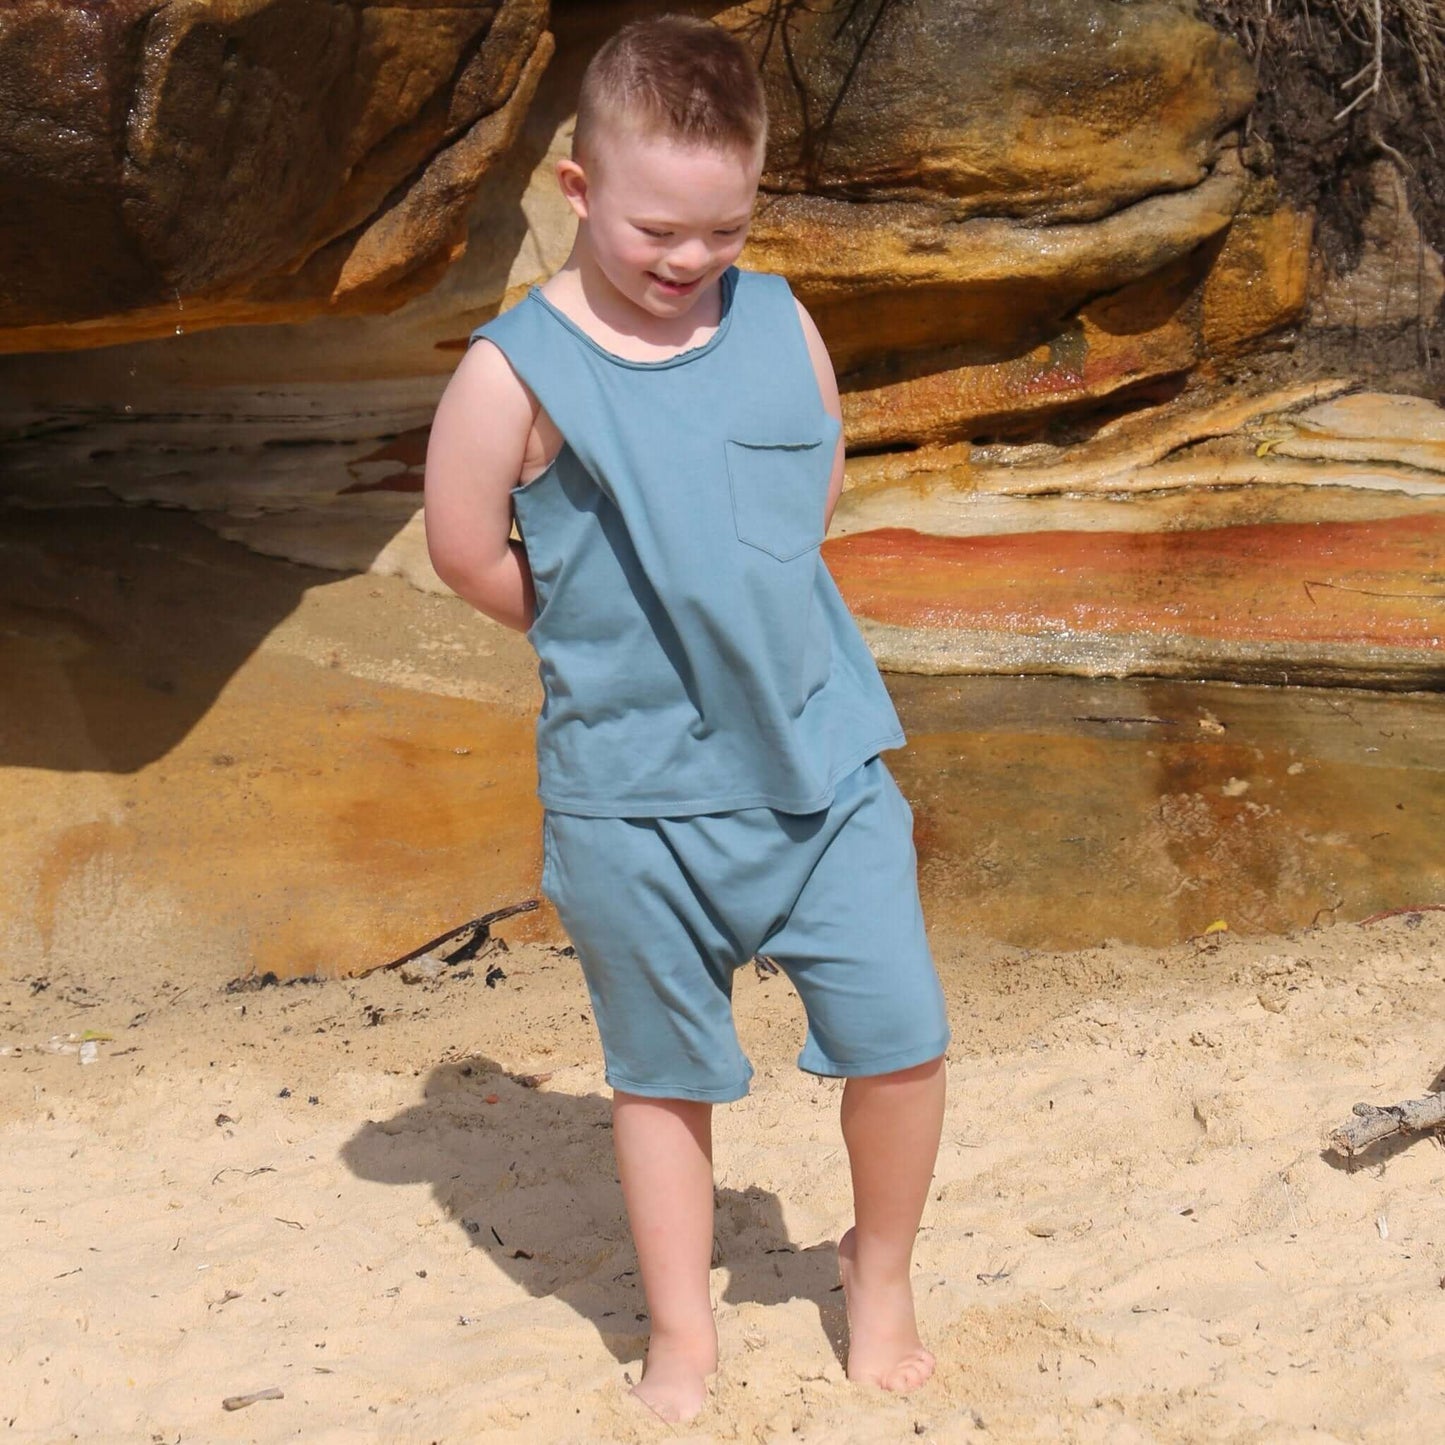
358, 1192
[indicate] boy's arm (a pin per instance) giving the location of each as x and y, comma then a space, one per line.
473, 460
828, 390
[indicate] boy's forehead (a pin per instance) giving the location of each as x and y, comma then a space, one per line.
648, 167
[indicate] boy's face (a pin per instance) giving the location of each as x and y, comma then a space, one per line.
661, 220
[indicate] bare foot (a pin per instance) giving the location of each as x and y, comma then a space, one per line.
674, 1379
883, 1344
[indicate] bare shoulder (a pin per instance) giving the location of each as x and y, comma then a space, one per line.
490, 424
810, 327
484, 379
483, 428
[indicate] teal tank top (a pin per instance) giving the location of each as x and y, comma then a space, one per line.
695, 654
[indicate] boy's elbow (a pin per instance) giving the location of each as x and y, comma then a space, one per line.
457, 570
443, 566
447, 549
475, 579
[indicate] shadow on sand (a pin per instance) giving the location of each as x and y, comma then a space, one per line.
120, 627
522, 1172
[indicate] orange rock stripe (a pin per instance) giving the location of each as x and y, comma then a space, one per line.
1374, 582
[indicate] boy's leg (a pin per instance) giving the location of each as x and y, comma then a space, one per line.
855, 946
891, 1124
664, 1160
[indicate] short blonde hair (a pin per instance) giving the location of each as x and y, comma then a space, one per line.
686, 79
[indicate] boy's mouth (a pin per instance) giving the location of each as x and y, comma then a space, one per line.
675, 288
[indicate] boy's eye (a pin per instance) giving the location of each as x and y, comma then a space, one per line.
655, 234
730, 231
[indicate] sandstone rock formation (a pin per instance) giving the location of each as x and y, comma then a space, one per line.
1063, 111
1294, 537
1303, 602
992, 212
1398, 276
1011, 225
194, 162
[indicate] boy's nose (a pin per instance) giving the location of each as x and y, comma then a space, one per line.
688, 259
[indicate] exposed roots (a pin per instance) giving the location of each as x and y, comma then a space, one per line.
1343, 83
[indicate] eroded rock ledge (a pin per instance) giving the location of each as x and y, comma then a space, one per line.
193, 163
1296, 537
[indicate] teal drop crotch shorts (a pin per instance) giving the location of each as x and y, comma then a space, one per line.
663, 911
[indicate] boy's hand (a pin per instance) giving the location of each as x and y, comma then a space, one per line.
478, 447
828, 390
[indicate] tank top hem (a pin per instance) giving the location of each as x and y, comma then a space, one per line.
668, 807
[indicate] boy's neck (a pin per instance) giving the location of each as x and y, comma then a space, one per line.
581, 291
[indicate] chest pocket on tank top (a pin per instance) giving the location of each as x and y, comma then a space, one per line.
779, 491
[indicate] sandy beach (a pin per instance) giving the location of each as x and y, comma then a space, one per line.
395, 1204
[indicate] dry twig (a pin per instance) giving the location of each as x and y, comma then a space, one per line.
1373, 1123
239, 1402
1402, 912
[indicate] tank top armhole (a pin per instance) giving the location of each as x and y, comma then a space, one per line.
793, 326
522, 372
513, 333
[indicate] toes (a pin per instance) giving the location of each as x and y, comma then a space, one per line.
674, 1409
910, 1373
913, 1370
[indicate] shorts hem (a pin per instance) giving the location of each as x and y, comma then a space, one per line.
723, 1094
889, 1064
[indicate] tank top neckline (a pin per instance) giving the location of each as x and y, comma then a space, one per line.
729, 282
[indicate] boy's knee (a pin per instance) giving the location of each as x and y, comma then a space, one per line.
925, 1072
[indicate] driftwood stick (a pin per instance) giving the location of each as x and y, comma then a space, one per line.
1372, 1123
473, 931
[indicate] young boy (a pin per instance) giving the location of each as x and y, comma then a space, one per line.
665, 431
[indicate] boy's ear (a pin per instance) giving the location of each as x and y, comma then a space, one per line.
573, 181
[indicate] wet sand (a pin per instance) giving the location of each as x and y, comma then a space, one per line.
395, 1202
274, 767
1061, 812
